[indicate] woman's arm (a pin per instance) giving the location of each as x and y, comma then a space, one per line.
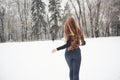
63, 46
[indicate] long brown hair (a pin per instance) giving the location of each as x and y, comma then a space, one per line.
71, 29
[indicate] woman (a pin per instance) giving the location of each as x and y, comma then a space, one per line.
74, 37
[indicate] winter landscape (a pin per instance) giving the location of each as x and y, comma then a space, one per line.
26, 28
34, 60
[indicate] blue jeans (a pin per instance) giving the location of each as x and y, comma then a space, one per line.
73, 59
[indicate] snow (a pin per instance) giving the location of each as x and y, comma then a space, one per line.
34, 60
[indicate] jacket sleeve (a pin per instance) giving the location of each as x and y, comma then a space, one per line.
65, 45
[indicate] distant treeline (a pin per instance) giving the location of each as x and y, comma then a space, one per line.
28, 20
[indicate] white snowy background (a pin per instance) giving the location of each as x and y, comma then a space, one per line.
34, 60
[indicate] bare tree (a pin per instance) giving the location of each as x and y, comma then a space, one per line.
77, 14
90, 14
97, 17
23, 12
80, 12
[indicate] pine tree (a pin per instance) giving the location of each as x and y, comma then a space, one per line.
115, 18
38, 16
67, 12
54, 9
2, 14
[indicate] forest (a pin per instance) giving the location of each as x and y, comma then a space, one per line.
31, 20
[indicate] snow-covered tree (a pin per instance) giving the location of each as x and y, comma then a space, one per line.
115, 17
2, 14
55, 9
38, 17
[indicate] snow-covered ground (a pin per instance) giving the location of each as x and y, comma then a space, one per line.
34, 60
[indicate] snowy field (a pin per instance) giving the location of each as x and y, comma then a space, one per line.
34, 60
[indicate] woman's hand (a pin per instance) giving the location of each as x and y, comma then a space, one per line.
54, 50
83, 42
